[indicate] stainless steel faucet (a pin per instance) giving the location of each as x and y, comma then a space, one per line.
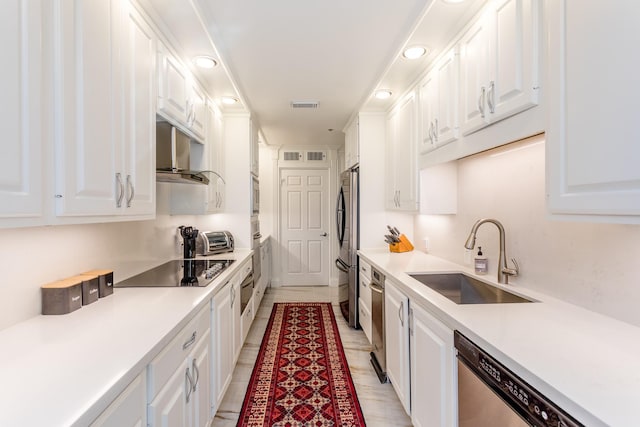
504, 271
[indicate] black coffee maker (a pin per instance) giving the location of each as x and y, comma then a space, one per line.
189, 236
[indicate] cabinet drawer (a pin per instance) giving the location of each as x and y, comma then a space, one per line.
165, 364
244, 270
365, 319
365, 268
365, 291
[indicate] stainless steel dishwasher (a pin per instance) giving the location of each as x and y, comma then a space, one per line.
378, 357
491, 395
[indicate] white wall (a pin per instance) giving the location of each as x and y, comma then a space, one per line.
592, 265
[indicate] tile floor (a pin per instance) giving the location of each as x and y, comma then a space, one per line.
379, 402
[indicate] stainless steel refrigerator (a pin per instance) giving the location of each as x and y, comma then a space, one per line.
347, 214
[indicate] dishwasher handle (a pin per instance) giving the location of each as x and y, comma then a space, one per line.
376, 288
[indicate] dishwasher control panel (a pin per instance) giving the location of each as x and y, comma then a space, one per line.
519, 395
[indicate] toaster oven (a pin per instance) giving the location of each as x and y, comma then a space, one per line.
214, 242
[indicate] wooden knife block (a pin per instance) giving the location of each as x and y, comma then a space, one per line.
403, 246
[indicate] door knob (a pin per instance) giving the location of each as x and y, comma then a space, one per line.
324, 234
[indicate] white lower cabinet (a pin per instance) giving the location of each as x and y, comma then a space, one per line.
129, 409
179, 378
222, 349
396, 331
420, 360
247, 319
432, 358
364, 301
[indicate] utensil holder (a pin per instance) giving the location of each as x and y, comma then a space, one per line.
404, 245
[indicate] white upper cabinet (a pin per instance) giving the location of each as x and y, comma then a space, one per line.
401, 168
181, 99
592, 137
139, 49
104, 128
21, 178
499, 60
351, 144
173, 80
89, 173
439, 103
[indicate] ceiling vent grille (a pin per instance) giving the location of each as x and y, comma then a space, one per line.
292, 155
315, 156
304, 104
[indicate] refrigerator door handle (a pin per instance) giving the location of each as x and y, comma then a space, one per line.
342, 266
340, 216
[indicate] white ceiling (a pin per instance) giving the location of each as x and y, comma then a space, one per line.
334, 52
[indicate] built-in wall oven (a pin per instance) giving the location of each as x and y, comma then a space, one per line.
490, 395
256, 236
246, 291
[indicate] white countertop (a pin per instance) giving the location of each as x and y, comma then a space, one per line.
64, 370
587, 363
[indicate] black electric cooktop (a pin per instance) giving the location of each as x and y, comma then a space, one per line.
181, 272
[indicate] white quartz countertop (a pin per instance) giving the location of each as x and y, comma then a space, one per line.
64, 370
587, 363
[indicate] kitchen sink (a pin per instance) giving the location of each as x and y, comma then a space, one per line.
463, 289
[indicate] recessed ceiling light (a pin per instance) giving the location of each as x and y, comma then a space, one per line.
229, 100
383, 94
414, 52
453, 1
206, 62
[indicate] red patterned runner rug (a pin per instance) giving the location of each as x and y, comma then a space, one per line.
301, 376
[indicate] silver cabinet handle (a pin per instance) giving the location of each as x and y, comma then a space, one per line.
431, 132
411, 321
196, 371
188, 343
120, 190
324, 234
481, 101
491, 97
188, 383
233, 295
375, 288
132, 191
401, 313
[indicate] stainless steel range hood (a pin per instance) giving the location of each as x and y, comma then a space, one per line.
173, 156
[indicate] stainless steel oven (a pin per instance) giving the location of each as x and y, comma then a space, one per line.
378, 356
255, 246
246, 291
255, 195
491, 395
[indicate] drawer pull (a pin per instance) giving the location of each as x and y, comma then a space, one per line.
190, 341
188, 382
196, 372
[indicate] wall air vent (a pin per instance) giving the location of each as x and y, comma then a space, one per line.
315, 156
292, 155
304, 104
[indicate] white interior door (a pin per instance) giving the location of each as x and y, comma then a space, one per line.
304, 225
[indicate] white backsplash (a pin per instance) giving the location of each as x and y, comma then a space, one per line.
589, 264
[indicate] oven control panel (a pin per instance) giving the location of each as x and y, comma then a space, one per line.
519, 395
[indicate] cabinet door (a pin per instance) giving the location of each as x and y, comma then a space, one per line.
428, 108
88, 120
513, 87
236, 318
200, 397
172, 86
432, 379
222, 345
592, 150
474, 48
129, 409
405, 156
21, 119
215, 148
396, 330
169, 407
140, 127
197, 113
448, 81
